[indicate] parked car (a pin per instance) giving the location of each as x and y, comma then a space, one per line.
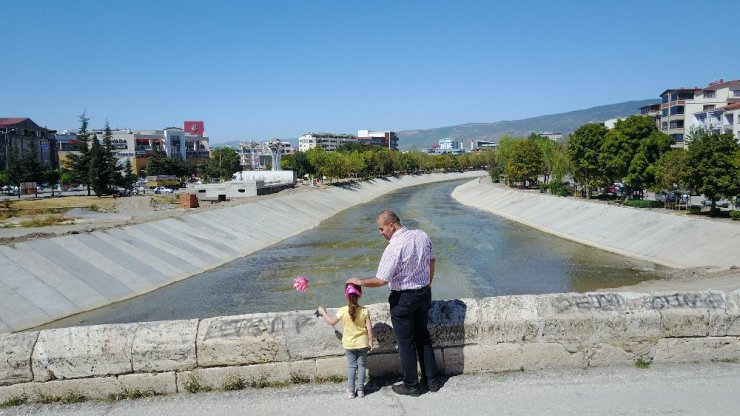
162, 190
719, 204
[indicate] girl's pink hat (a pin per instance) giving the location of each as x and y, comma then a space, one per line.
352, 290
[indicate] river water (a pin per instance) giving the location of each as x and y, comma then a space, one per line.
478, 255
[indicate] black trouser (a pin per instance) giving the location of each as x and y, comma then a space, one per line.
409, 315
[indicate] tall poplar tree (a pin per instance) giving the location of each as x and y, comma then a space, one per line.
79, 160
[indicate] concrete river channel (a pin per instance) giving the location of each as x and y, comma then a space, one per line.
478, 255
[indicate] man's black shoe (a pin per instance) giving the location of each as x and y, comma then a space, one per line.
433, 385
406, 391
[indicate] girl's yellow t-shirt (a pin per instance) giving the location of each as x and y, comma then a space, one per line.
355, 333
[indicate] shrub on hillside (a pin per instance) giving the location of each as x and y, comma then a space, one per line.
643, 203
735, 215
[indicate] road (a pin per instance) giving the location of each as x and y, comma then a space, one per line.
706, 389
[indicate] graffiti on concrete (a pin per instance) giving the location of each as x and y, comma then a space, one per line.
616, 302
254, 326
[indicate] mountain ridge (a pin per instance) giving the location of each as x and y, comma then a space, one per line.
564, 123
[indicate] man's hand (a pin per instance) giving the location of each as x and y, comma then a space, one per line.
354, 280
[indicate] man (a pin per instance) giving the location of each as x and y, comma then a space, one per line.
407, 266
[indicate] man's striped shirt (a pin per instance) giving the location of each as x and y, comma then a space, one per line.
405, 261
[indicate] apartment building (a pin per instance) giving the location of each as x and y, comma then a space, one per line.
327, 141
255, 155
679, 106
21, 133
387, 139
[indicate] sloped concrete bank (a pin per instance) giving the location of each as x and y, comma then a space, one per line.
508, 333
670, 240
44, 280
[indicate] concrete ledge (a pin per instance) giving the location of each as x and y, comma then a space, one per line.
509, 333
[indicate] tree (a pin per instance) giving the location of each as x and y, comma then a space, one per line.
524, 161
110, 173
298, 163
96, 175
51, 177
584, 148
224, 162
156, 164
550, 153
670, 170
79, 161
619, 152
711, 166
503, 150
129, 178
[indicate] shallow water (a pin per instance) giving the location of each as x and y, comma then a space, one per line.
478, 255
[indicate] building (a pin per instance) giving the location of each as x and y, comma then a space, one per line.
483, 145
722, 120
678, 106
255, 155
556, 137
387, 139
20, 133
327, 141
138, 145
449, 145
652, 110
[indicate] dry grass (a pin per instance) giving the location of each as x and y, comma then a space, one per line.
67, 202
44, 221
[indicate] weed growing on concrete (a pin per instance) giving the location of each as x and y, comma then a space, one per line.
733, 360
299, 378
192, 385
260, 383
93, 208
14, 401
642, 363
234, 383
131, 394
71, 397
43, 222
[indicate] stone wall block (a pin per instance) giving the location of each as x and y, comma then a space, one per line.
724, 322
158, 383
642, 324
240, 340
85, 351
507, 319
453, 322
96, 388
165, 346
337, 366
568, 319
307, 336
682, 322
608, 354
15, 357
484, 358
691, 350
550, 355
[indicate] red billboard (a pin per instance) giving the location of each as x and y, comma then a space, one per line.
194, 128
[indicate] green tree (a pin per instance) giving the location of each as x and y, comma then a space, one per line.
670, 170
96, 170
110, 173
223, 163
550, 153
642, 172
79, 160
355, 163
524, 162
51, 177
156, 164
335, 166
298, 163
128, 178
711, 166
503, 151
584, 148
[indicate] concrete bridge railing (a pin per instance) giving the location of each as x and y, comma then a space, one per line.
508, 333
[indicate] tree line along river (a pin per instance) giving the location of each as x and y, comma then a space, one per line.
478, 255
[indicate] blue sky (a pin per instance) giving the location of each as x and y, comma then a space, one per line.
263, 69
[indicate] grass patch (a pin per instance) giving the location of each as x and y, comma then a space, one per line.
299, 378
14, 401
68, 398
44, 221
94, 208
733, 360
131, 394
642, 363
234, 383
193, 385
331, 379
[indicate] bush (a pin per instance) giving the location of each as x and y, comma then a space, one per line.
643, 203
695, 209
559, 189
735, 215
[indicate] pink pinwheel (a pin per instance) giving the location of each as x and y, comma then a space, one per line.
301, 284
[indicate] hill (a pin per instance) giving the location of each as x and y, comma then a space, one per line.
561, 123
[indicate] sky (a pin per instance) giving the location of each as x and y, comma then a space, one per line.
256, 70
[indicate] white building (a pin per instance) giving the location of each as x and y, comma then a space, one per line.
327, 141
556, 137
678, 106
387, 139
720, 120
255, 154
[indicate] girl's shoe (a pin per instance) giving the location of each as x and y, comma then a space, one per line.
350, 394
360, 393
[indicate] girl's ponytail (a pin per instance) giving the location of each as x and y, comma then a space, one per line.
352, 293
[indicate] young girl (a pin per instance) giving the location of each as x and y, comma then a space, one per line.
356, 338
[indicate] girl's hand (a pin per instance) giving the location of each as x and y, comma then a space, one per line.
370, 347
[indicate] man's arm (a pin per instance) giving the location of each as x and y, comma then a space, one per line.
432, 262
371, 282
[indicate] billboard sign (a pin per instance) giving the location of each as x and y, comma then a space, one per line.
194, 128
